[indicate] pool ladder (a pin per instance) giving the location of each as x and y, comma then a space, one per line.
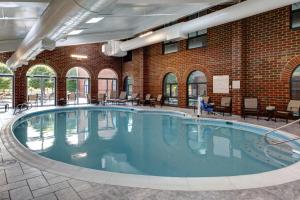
281, 142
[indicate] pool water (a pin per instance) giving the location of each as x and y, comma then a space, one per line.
150, 143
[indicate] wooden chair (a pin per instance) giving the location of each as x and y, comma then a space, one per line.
250, 107
225, 107
146, 100
292, 111
72, 97
33, 98
101, 98
134, 98
158, 100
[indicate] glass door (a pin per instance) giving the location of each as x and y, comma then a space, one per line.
41, 91
78, 90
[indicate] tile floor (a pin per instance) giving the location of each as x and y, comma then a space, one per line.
19, 181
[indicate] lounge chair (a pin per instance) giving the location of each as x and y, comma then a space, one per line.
225, 107
208, 107
146, 100
72, 97
134, 98
101, 98
33, 98
121, 99
292, 111
158, 100
250, 107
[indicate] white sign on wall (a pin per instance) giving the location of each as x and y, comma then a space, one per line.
221, 84
236, 84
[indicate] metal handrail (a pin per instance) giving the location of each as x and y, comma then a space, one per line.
22, 107
281, 142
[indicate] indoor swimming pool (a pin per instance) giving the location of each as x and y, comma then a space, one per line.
155, 143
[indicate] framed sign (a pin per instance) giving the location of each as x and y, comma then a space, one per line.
221, 84
236, 84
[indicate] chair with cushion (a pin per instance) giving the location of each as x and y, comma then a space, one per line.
33, 98
146, 100
134, 98
250, 107
292, 111
158, 100
101, 98
225, 107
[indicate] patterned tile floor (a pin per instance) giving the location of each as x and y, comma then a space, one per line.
22, 182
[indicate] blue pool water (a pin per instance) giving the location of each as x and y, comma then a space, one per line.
149, 143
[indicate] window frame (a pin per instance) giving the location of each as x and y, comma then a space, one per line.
291, 18
169, 86
170, 43
291, 84
197, 36
194, 83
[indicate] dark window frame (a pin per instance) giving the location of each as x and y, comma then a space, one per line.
170, 43
169, 85
291, 84
197, 36
194, 83
128, 57
291, 18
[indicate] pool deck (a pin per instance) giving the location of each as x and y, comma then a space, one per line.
19, 181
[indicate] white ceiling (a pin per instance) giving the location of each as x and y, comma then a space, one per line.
122, 20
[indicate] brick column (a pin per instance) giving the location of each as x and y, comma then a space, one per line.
238, 66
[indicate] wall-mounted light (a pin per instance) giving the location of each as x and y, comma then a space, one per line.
94, 20
75, 32
78, 56
146, 34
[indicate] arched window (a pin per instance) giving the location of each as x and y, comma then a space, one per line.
128, 85
171, 89
197, 86
108, 83
6, 85
78, 86
41, 85
295, 84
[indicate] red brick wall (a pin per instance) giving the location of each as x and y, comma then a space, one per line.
135, 70
260, 51
60, 60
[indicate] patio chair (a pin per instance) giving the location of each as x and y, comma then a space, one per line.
250, 107
134, 98
292, 111
225, 107
146, 100
121, 99
158, 100
33, 98
72, 97
205, 106
101, 98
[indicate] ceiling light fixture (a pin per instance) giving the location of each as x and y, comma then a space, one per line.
146, 34
94, 20
79, 56
75, 32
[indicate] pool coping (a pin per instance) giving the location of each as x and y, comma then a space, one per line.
20, 152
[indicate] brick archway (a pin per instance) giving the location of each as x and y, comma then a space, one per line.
289, 68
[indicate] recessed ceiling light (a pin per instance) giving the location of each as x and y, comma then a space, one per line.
75, 32
146, 34
79, 56
94, 20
